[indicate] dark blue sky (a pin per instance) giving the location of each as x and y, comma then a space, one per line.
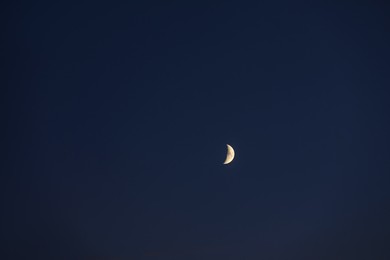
118, 115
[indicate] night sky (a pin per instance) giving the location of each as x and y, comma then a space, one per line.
117, 117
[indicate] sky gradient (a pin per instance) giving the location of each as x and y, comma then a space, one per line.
118, 116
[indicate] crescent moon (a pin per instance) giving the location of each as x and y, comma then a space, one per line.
229, 154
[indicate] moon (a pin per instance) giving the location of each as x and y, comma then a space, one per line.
229, 154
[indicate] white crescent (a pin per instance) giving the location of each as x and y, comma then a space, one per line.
229, 154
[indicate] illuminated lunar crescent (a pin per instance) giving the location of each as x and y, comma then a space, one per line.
229, 155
